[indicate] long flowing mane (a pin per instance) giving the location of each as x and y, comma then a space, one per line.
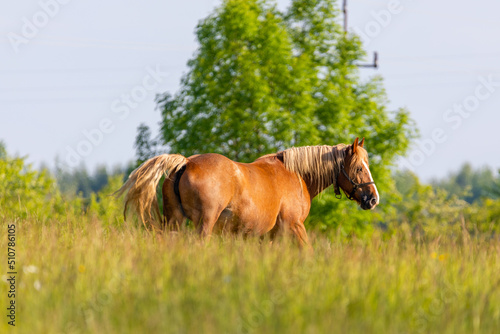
319, 163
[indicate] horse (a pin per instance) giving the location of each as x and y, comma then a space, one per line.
271, 194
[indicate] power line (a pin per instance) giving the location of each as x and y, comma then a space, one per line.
444, 57
109, 44
90, 99
68, 70
65, 88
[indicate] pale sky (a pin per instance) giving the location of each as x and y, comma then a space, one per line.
68, 68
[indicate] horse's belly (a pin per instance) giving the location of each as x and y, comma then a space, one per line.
243, 221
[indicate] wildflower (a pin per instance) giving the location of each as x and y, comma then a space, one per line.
31, 269
443, 257
433, 255
81, 268
37, 285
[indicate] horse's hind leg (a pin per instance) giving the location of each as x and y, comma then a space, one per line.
172, 215
205, 222
276, 230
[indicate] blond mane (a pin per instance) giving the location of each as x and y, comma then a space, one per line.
321, 163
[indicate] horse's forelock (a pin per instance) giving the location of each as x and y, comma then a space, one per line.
357, 160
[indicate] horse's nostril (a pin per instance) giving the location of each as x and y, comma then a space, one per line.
373, 201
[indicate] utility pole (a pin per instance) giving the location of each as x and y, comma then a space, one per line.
375, 53
374, 64
344, 9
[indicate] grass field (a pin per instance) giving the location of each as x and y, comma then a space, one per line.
80, 277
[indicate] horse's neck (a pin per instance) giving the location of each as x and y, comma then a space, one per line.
314, 187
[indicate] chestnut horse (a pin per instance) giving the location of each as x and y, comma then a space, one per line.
271, 194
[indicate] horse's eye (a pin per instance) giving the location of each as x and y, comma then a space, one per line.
360, 170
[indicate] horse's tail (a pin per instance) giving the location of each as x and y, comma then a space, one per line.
140, 188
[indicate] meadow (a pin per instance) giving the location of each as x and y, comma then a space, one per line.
85, 276
262, 78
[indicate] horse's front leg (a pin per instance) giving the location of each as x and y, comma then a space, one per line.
299, 230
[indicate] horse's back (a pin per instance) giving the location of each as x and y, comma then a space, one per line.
246, 196
228, 172
216, 173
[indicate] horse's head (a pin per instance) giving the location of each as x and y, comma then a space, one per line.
355, 178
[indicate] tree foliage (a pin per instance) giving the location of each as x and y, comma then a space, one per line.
27, 193
82, 182
243, 87
471, 184
427, 209
24, 191
263, 80
145, 146
495, 189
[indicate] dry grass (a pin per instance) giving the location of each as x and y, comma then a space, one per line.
91, 279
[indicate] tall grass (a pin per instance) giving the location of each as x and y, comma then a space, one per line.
88, 277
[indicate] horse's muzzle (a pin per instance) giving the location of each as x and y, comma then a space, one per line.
369, 202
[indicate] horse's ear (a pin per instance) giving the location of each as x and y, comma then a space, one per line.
355, 145
362, 142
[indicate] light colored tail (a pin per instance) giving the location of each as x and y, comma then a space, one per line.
140, 188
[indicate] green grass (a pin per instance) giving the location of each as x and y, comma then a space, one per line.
85, 278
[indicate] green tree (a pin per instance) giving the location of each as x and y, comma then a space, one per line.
264, 80
25, 192
244, 90
471, 184
426, 209
3, 150
79, 182
144, 145
495, 189
104, 205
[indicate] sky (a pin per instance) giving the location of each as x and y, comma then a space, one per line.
78, 77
